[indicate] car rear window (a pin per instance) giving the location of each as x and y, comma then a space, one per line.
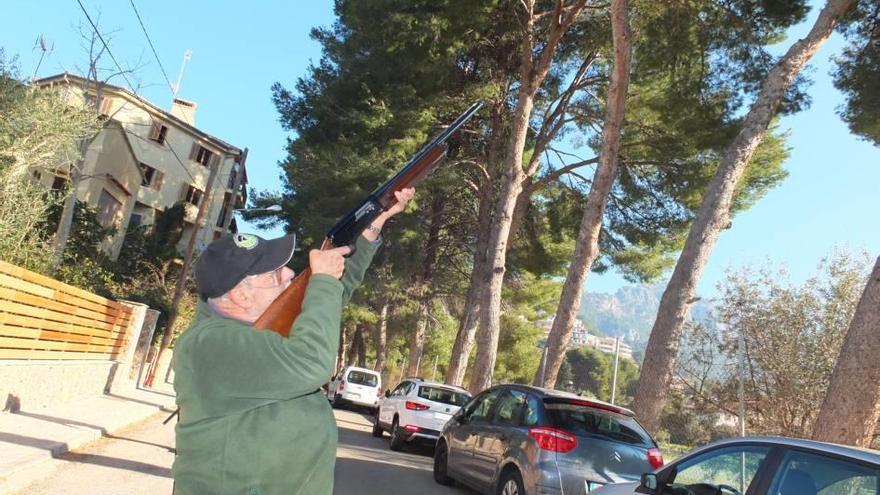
585, 420
361, 378
444, 395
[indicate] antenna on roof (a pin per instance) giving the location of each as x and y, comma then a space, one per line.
187, 54
41, 43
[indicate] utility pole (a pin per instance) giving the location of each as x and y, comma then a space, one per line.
741, 369
236, 183
543, 365
614, 373
204, 206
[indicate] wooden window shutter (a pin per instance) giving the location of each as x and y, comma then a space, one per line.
155, 128
215, 159
157, 179
106, 103
194, 151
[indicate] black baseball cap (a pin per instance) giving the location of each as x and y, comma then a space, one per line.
228, 260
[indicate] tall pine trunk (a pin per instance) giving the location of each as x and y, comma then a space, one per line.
851, 409
357, 350
467, 328
493, 277
340, 352
534, 66
587, 247
714, 215
417, 343
423, 285
381, 339
464, 339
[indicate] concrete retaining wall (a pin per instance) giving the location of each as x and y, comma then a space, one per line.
38, 384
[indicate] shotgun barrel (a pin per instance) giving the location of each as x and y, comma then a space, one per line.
281, 314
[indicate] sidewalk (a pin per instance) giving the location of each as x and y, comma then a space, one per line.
31, 437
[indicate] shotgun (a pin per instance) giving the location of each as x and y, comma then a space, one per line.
281, 314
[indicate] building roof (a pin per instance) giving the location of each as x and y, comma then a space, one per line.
67, 77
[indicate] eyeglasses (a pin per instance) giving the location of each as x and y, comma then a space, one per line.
275, 278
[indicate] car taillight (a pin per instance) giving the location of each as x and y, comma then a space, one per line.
379, 393
415, 406
655, 458
341, 386
553, 439
411, 428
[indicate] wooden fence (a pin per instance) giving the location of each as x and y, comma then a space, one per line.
42, 318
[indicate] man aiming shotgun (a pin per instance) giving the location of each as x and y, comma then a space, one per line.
252, 420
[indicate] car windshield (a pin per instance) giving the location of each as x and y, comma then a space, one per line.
444, 395
362, 378
585, 420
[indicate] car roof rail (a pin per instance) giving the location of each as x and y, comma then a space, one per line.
415, 378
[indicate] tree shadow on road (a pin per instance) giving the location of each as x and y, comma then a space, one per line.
369, 477
115, 462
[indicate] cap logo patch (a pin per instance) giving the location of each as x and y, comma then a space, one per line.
245, 241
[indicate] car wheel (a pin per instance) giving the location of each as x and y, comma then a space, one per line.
396, 436
511, 483
377, 430
441, 461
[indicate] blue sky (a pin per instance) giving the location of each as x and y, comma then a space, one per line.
829, 200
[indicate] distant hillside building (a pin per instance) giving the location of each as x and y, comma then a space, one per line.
146, 159
580, 337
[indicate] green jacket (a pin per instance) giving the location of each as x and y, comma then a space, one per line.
252, 420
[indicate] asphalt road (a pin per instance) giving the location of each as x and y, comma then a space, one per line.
365, 465
138, 461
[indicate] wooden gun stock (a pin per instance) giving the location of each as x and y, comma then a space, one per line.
281, 314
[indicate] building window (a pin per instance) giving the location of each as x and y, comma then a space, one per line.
230, 184
135, 221
108, 208
221, 219
203, 155
158, 132
193, 196
59, 183
150, 177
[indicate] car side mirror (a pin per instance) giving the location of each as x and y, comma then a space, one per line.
649, 481
387, 393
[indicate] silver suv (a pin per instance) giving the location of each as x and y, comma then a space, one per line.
517, 439
417, 410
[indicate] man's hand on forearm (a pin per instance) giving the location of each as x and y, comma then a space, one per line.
403, 197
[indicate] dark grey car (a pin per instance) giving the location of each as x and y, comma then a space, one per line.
516, 440
763, 466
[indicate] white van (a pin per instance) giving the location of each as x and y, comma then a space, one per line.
356, 387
